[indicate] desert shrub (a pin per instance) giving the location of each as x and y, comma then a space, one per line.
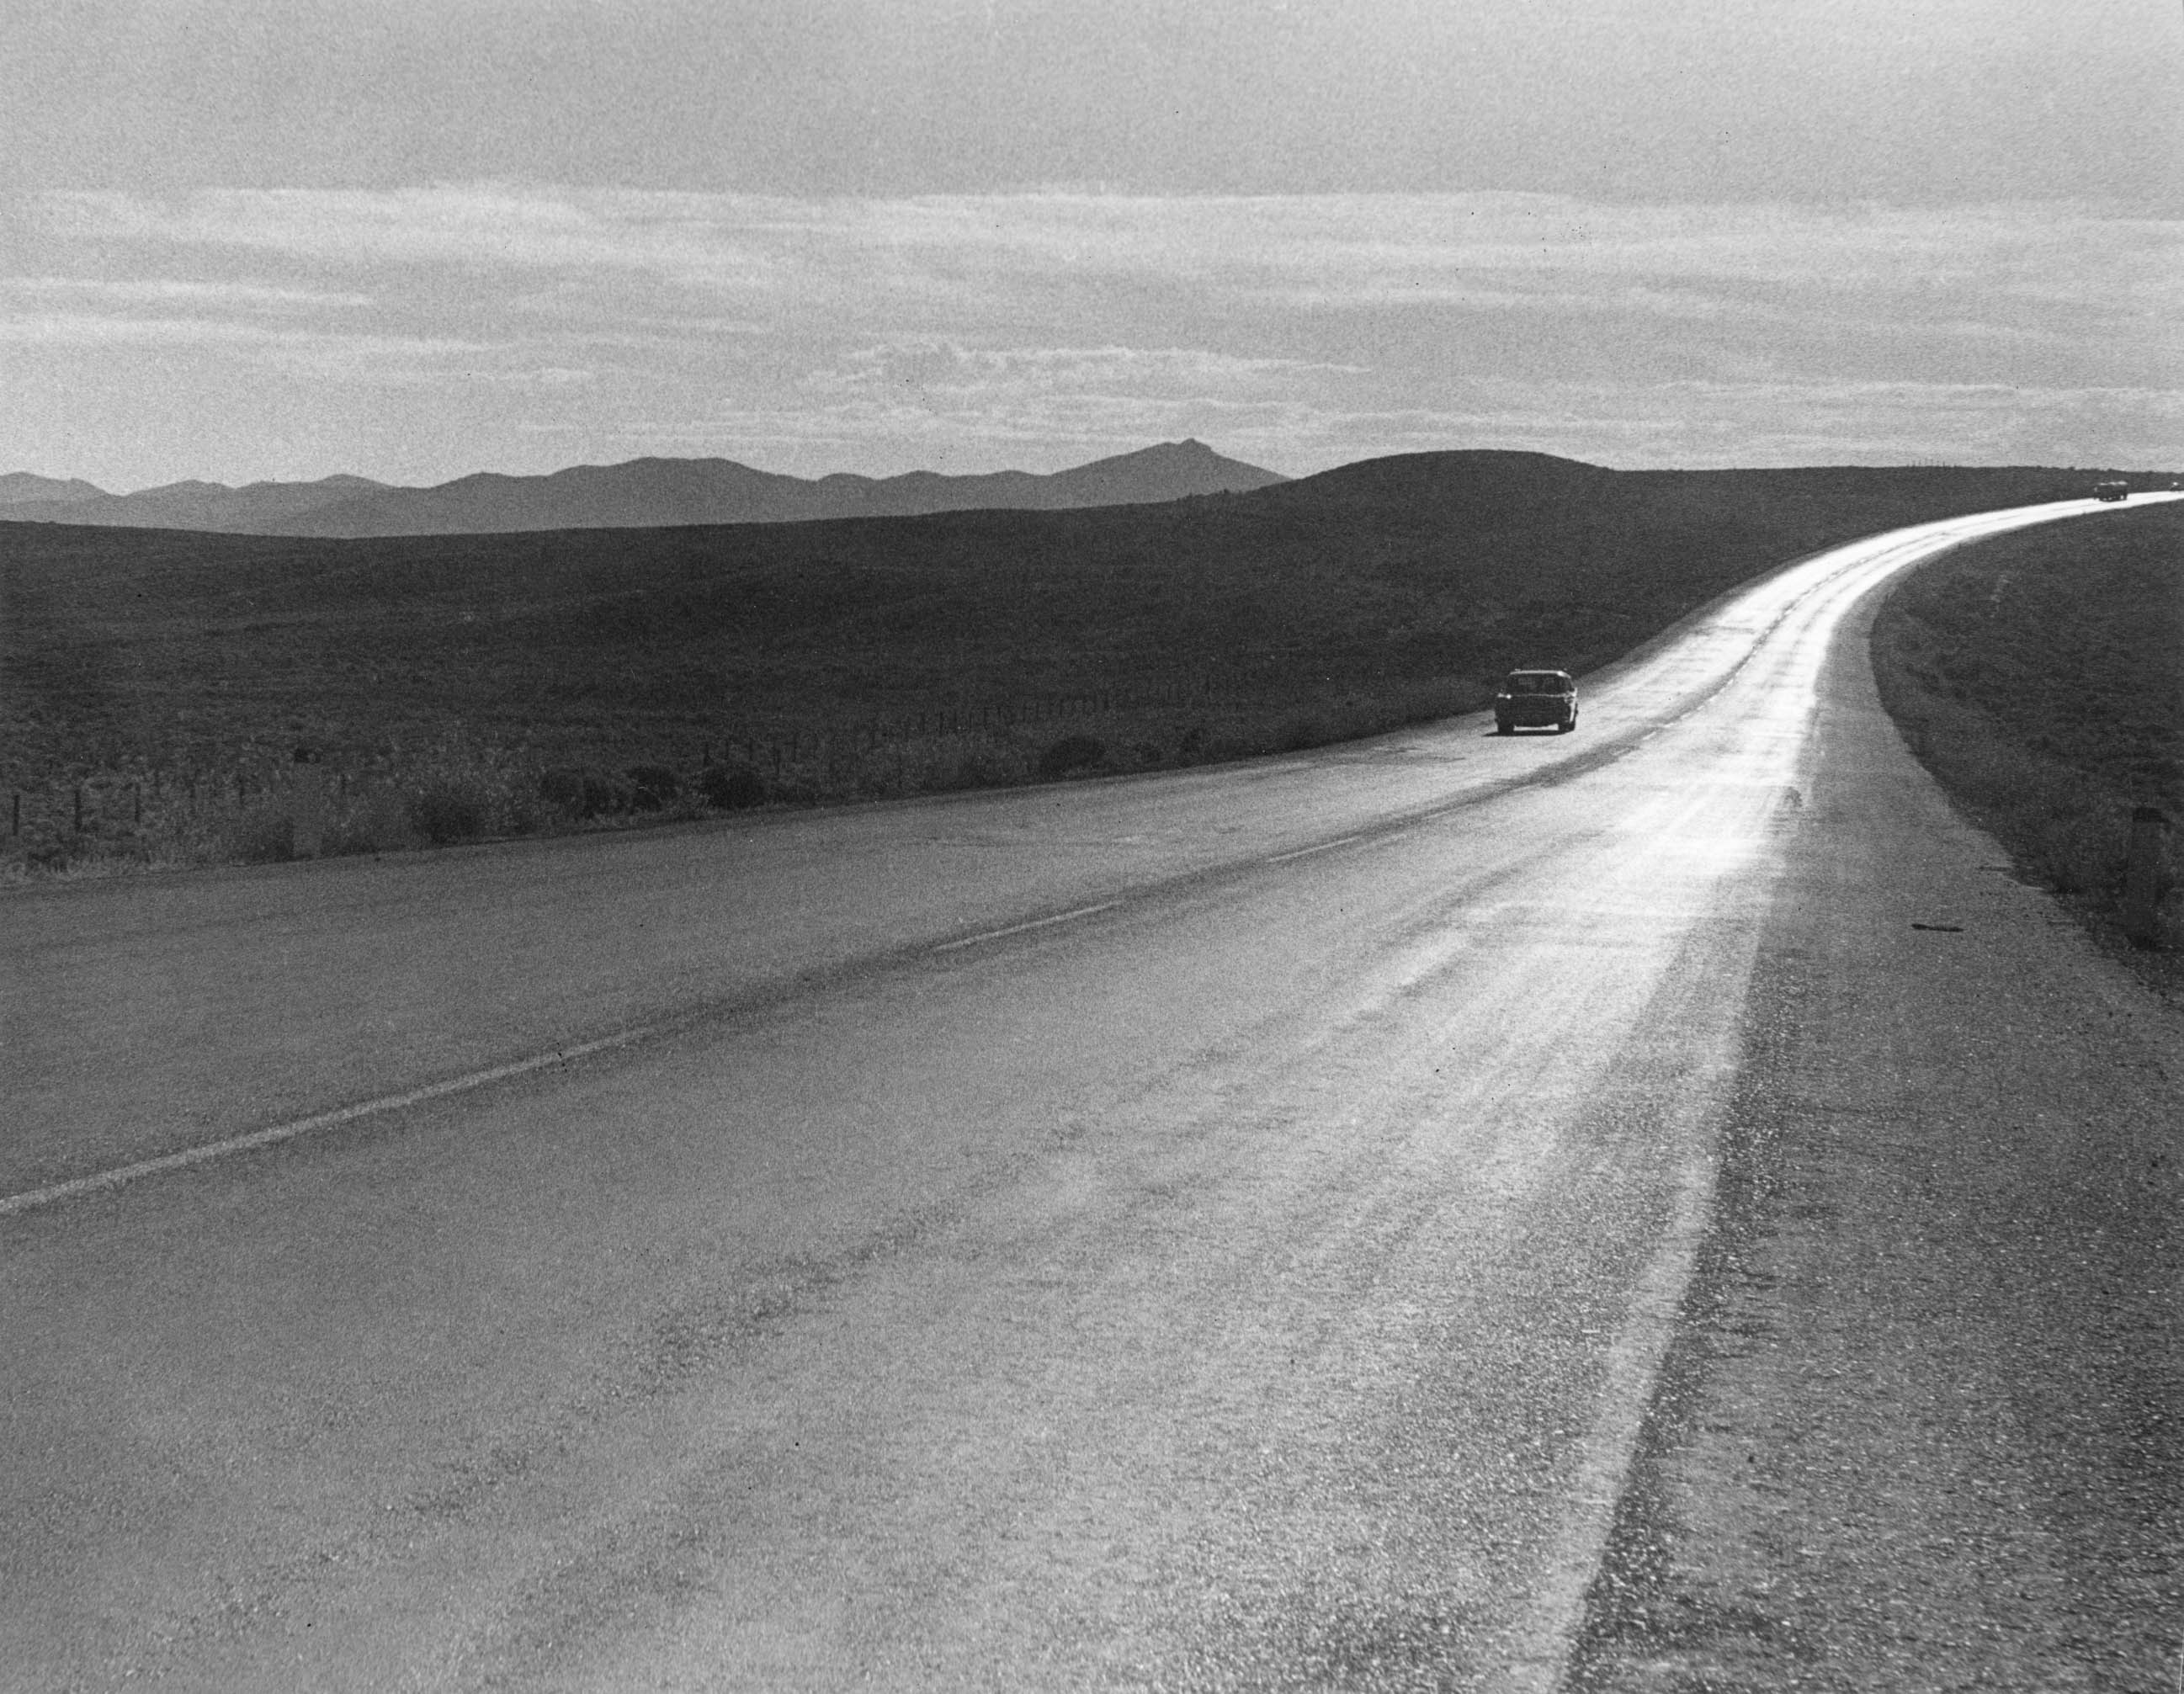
732, 787
2083, 855
445, 812
652, 787
262, 835
1071, 752
985, 765
519, 812
374, 822
587, 790
562, 785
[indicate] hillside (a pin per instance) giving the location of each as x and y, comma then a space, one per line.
872, 656
2041, 677
641, 493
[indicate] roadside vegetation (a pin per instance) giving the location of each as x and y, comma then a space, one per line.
2039, 677
170, 698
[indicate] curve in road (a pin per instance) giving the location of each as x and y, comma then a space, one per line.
1215, 1230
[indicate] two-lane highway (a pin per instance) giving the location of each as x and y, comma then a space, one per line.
1202, 1231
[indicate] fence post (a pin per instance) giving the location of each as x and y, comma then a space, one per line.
2142, 877
309, 812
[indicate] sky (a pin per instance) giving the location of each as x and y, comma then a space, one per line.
411, 240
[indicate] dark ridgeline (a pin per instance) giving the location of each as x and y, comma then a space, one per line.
642, 493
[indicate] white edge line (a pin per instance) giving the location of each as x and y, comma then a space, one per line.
1019, 928
30, 1199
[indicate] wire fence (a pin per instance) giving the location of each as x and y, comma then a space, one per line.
265, 803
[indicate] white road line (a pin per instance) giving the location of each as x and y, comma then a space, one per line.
1546, 1634
1019, 928
30, 1199
1306, 852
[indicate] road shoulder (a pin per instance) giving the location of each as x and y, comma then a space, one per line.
1924, 1425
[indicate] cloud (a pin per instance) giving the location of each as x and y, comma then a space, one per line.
178, 291
375, 359
1305, 329
1214, 271
945, 367
673, 236
1374, 242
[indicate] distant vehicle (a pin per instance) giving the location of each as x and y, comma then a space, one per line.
2111, 491
1535, 699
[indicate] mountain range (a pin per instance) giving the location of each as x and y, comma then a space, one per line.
642, 493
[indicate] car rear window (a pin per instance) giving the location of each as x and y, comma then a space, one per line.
1538, 682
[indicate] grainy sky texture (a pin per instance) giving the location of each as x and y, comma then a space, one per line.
241, 240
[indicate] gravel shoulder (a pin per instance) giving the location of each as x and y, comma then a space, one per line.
1923, 1426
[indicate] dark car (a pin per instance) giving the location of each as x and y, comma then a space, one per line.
2111, 491
1533, 699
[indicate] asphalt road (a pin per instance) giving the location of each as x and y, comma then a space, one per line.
1921, 1427
1207, 1231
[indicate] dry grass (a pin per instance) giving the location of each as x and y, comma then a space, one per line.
2039, 677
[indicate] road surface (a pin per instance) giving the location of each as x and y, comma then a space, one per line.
1207, 1231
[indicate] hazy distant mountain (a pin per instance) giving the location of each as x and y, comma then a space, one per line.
648, 494
1173, 471
259, 509
18, 487
644, 494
